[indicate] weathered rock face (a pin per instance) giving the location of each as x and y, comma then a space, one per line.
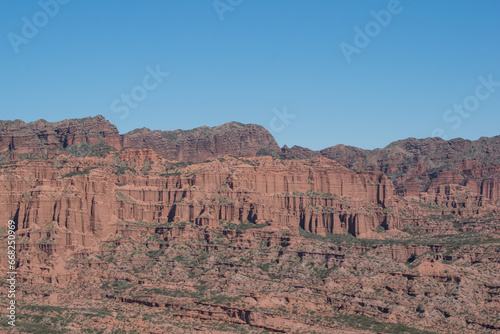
416, 165
96, 136
85, 198
243, 140
263, 244
41, 137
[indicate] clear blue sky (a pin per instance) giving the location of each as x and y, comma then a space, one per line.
263, 56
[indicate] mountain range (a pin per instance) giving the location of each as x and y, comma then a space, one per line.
219, 230
413, 165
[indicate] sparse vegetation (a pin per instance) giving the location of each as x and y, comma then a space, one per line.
268, 152
312, 193
85, 171
116, 285
122, 197
243, 226
365, 323
100, 149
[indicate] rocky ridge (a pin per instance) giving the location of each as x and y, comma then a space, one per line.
416, 165
97, 136
413, 165
112, 238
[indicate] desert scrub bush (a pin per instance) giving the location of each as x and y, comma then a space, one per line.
248, 162
172, 168
78, 172
146, 169
327, 209
430, 206
121, 196
221, 200
268, 152
356, 321
107, 258
45, 241
175, 165
121, 169
116, 285
222, 299
442, 218
397, 174
170, 174
155, 254
95, 312
169, 293
312, 193
44, 308
100, 149
37, 324
322, 273
33, 156
243, 226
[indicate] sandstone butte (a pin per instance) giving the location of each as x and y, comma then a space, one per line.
219, 230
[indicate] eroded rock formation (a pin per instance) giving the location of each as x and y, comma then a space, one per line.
381, 241
97, 136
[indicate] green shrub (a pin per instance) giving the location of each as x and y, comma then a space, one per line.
243, 226
116, 285
99, 149
79, 172
268, 152
122, 197
121, 169
312, 193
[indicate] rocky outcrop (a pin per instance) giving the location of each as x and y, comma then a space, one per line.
413, 165
390, 240
416, 165
243, 140
96, 136
41, 138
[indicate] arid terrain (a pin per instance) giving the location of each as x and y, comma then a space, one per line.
219, 230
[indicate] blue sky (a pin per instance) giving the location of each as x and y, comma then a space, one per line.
252, 60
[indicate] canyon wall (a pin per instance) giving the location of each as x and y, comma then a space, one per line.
311, 241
